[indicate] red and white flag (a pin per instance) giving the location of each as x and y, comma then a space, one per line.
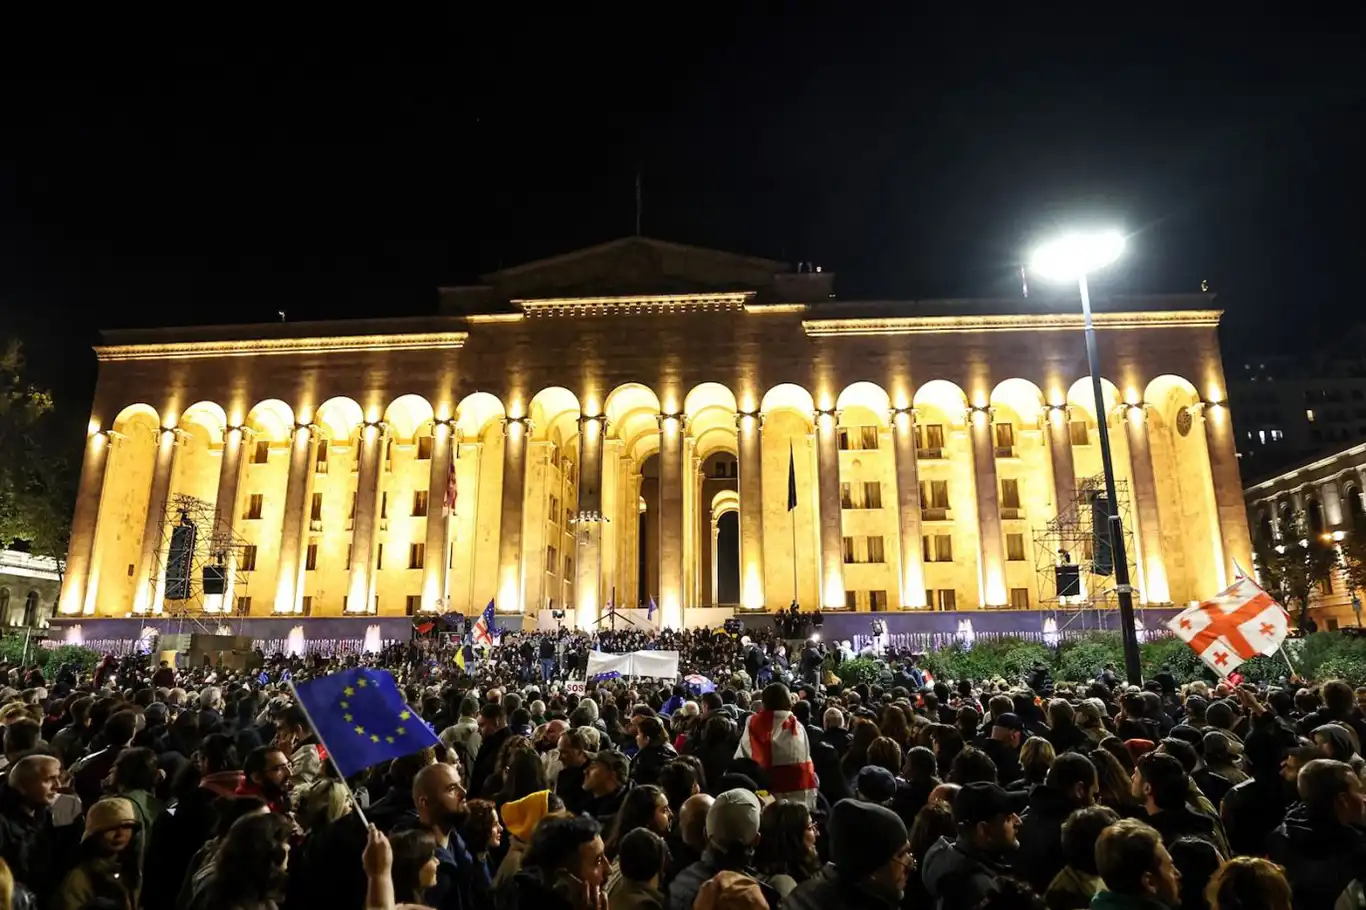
1237, 624
777, 742
448, 504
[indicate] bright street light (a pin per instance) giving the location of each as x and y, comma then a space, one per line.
1071, 258
1074, 256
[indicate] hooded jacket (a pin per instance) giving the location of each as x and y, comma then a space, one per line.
957, 875
1321, 856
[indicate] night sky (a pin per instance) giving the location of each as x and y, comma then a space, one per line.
162, 171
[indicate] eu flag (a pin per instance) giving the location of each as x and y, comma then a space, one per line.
361, 718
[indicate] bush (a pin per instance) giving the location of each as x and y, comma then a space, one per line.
1174, 654
12, 653
1081, 660
859, 670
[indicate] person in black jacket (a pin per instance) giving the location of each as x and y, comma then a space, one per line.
1071, 785
655, 751
606, 781
1321, 843
493, 730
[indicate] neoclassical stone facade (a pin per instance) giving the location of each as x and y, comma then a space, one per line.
621, 422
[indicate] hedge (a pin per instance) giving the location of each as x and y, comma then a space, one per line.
12, 653
1321, 656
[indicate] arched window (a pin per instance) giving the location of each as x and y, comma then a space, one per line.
31, 609
1315, 517
1355, 510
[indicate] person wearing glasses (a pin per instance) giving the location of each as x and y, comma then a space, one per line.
870, 862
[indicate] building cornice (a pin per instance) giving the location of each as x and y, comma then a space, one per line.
1278, 483
258, 347
1030, 322
613, 306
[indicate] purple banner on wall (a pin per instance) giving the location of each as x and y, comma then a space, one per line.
270, 634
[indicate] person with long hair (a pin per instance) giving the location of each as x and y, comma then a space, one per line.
786, 855
646, 807
1250, 883
1116, 785
518, 771
885, 752
414, 865
947, 742
895, 727
251, 869
482, 832
864, 731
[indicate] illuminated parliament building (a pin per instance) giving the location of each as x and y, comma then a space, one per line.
629, 423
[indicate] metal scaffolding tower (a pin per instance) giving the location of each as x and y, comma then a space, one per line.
1070, 539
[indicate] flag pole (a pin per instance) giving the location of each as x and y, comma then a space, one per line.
1293, 671
355, 803
792, 513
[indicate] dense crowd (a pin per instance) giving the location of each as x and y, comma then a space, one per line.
141, 786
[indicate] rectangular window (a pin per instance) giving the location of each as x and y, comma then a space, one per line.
315, 509
1019, 598
248, 558
1078, 432
877, 600
552, 560
1005, 435
306, 604
554, 509
872, 494
1015, 550
243, 606
850, 600
384, 505
938, 547
948, 600
875, 549
254, 503
311, 558
352, 513
261, 454
846, 495
379, 557
348, 557
424, 448
868, 437
419, 503
417, 555
934, 494
1010, 493
568, 518
569, 568
848, 549
320, 464
930, 437
412, 604
843, 436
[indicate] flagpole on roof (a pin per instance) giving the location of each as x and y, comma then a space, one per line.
355, 803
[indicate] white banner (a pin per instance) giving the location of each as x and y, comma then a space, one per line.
659, 664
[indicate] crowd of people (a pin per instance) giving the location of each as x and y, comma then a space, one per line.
143, 786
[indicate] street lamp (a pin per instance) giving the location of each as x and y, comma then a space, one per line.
1071, 258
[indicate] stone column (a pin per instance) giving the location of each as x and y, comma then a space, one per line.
149, 575
908, 508
235, 442
831, 518
445, 451
1060, 458
609, 549
591, 526
79, 581
671, 430
288, 582
363, 536
1234, 544
1332, 504
750, 462
1152, 569
516, 430
476, 456
991, 545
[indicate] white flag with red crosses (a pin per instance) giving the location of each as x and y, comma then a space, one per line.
1237, 624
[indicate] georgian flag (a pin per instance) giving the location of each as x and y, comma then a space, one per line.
1237, 624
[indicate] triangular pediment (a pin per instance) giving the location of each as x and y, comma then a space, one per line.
633, 266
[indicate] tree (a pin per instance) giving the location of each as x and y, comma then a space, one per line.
1292, 567
1353, 549
35, 493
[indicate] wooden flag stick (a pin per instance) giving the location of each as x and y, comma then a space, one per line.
1293, 671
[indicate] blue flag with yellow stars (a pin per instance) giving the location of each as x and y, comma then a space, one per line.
361, 718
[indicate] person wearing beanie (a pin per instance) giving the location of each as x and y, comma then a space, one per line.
875, 785
641, 857
870, 862
732, 834
520, 818
107, 868
958, 873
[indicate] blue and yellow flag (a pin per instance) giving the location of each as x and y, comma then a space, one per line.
361, 718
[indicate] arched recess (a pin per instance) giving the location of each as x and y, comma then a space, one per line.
405, 415
339, 419
1022, 398
1024, 475
788, 438
272, 420
709, 395
868, 488
200, 454
548, 551
1082, 396
948, 493
868, 395
31, 608
724, 501
1192, 547
123, 507
472, 577
632, 411
1356, 511
332, 495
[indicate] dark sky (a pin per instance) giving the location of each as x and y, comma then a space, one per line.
176, 170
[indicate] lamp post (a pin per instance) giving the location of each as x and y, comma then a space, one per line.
1071, 258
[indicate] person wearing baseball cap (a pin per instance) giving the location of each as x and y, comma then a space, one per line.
732, 834
1003, 745
870, 862
958, 873
606, 780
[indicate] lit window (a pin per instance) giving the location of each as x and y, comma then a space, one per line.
1309, 415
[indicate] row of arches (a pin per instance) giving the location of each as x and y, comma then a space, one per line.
519, 523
